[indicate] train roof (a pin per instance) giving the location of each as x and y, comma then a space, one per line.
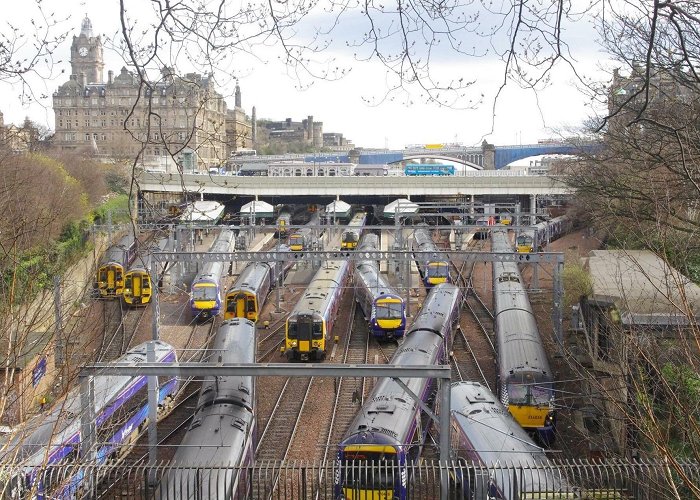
491, 429
644, 288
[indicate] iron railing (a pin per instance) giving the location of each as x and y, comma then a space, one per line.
604, 480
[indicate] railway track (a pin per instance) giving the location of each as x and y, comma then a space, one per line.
120, 326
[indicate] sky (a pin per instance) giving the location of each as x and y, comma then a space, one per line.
521, 116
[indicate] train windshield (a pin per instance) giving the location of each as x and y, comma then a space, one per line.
350, 237
296, 239
524, 239
529, 394
304, 329
370, 470
438, 270
389, 309
204, 292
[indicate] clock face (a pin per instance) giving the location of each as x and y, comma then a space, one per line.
83, 51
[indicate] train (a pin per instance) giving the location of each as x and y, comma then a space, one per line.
485, 435
386, 437
138, 283
248, 293
428, 169
54, 437
305, 237
352, 233
222, 431
284, 219
113, 266
309, 326
435, 270
482, 227
525, 381
537, 236
205, 295
381, 304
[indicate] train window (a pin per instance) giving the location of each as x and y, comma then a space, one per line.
204, 293
146, 283
517, 394
318, 330
292, 329
250, 305
389, 310
127, 282
541, 395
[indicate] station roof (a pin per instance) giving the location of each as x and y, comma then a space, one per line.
259, 208
339, 207
402, 206
203, 212
644, 289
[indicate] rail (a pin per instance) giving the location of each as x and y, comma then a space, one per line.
610, 479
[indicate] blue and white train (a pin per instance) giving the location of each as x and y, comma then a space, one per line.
486, 442
381, 304
206, 290
222, 431
388, 433
433, 269
55, 437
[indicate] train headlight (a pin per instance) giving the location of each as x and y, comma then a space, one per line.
293, 343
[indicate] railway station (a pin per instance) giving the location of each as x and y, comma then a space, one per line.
245, 316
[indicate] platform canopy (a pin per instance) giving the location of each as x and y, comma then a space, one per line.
202, 212
402, 207
338, 208
258, 208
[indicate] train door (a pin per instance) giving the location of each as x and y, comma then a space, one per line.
114, 276
144, 285
136, 285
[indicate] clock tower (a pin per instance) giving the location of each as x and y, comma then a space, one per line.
86, 55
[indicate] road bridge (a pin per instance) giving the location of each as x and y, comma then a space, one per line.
477, 183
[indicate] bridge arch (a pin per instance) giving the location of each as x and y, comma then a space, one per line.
446, 158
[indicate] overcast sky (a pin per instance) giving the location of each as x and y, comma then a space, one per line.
521, 116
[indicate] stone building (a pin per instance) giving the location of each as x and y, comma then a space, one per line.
239, 128
172, 119
306, 132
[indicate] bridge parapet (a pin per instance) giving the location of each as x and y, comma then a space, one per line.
472, 183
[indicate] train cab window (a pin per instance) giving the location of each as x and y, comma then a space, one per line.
204, 293
370, 470
250, 305
128, 282
541, 395
389, 310
518, 394
317, 331
146, 283
102, 276
438, 269
292, 329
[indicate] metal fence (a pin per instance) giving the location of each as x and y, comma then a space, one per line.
305, 480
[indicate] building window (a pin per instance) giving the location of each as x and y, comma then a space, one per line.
156, 136
104, 123
87, 136
87, 123
60, 123
104, 137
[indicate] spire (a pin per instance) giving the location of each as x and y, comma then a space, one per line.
238, 96
86, 27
